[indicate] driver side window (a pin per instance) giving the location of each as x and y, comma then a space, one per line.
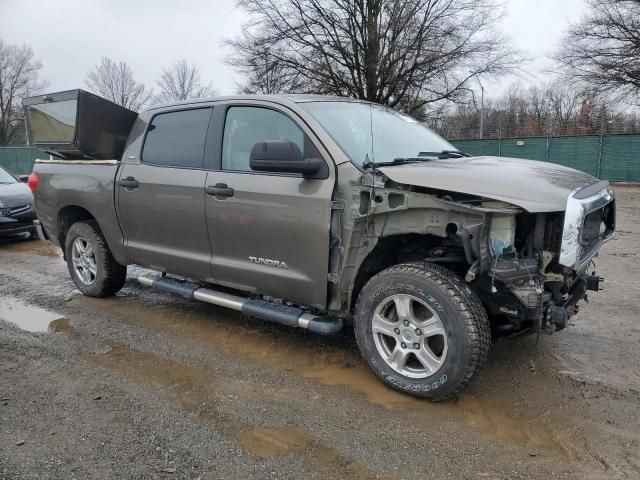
246, 126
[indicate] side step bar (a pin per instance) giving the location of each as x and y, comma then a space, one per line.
265, 310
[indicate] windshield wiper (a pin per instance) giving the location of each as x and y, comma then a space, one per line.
422, 157
444, 154
396, 161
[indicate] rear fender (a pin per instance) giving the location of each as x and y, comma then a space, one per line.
78, 190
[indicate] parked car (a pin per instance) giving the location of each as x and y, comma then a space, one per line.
17, 212
323, 212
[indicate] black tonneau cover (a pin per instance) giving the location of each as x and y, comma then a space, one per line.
78, 125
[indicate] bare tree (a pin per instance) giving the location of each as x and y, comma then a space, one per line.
602, 50
514, 105
553, 109
181, 81
402, 53
540, 109
115, 82
564, 101
18, 78
264, 73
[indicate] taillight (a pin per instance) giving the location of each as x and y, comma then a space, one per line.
34, 178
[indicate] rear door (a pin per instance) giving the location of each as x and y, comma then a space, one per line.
160, 196
269, 232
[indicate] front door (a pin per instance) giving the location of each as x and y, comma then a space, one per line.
269, 232
160, 198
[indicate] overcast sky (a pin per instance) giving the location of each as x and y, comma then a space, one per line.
70, 36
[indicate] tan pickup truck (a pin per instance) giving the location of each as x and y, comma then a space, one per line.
322, 213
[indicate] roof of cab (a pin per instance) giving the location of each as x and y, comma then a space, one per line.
295, 98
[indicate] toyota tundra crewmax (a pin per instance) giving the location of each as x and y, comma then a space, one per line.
322, 213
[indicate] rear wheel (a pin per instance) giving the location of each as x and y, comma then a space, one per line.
422, 330
91, 264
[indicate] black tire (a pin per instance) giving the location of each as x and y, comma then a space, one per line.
464, 319
110, 275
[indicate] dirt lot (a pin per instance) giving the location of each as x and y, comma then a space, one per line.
147, 385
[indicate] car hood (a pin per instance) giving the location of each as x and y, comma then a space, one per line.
15, 195
534, 186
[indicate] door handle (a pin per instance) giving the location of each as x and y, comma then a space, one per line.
220, 191
129, 183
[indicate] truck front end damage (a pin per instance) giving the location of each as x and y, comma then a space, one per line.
534, 268
530, 269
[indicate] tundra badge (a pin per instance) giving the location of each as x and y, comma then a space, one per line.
268, 261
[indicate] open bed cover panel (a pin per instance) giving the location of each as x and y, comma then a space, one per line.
78, 124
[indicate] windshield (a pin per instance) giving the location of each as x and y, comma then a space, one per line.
6, 177
369, 132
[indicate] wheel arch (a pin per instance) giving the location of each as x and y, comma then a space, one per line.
389, 251
70, 214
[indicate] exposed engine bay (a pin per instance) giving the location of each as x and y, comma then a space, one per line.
524, 284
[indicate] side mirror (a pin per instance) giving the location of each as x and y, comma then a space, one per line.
282, 156
23, 178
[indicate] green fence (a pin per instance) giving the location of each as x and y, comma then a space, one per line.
19, 160
611, 157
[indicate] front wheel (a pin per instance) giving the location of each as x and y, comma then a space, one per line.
91, 265
422, 330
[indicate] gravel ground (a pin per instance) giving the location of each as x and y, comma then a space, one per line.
148, 385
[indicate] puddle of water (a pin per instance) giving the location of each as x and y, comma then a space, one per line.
37, 247
197, 390
60, 325
266, 442
487, 416
222, 329
363, 380
191, 386
30, 318
319, 359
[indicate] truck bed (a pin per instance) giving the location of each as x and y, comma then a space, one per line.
84, 188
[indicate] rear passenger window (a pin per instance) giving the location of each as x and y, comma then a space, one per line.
246, 126
176, 139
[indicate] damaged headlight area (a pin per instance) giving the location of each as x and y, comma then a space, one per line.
589, 222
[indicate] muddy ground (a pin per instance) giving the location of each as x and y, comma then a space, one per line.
148, 385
